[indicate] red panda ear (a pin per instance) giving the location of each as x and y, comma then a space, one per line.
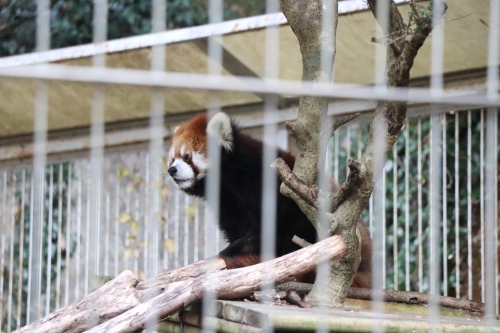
220, 126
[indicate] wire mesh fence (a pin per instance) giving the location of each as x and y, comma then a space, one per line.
124, 227
68, 215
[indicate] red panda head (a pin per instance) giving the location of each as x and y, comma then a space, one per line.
188, 160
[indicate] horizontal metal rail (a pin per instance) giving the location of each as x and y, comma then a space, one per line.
247, 84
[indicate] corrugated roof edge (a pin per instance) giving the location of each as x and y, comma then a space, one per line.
165, 37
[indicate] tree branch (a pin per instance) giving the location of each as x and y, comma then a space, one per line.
346, 189
297, 185
391, 295
342, 121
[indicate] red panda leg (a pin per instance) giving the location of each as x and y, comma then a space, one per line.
242, 253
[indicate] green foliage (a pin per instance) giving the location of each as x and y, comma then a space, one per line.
58, 207
71, 20
419, 16
397, 191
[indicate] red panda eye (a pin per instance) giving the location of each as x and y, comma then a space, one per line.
186, 157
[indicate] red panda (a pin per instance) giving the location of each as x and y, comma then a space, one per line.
241, 193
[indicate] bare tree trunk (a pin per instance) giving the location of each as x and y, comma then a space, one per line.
402, 47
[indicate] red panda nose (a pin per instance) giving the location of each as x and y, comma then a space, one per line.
172, 171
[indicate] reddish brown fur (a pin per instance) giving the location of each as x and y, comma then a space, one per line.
241, 261
193, 135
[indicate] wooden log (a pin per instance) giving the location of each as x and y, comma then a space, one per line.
107, 302
115, 297
195, 269
227, 284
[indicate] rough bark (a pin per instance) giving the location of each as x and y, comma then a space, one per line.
391, 295
317, 46
107, 302
226, 284
305, 18
346, 206
124, 305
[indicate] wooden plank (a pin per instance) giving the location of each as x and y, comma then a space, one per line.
347, 320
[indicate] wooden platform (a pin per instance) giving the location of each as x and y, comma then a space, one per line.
232, 316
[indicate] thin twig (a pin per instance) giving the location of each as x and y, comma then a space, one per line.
344, 120
456, 18
300, 241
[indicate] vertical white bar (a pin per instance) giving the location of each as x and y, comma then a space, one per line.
493, 52
382, 13
379, 230
437, 50
79, 175
176, 228
419, 205
383, 200
328, 27
407, 205
481, 200
435, 163
3, 240
40, 140
491, 216
493, 48
21, 249
49, 242
107, 206
215, 12
336, 158
97, 143
36, 229
196, 232
376, 203
348, 147
469, 205
136, 214
59, 235
186, 231
435, 218
117, 225
360, 140
205, 232
87, 231
269, 179
457, 209
30, 248
395, 213
69, 221
156, 148
496, 217
444, 168
12, 243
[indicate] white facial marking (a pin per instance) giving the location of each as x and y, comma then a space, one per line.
220, 126
201, 163
184, 177
183, 150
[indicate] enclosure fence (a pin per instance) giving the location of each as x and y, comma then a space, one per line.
68, 214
